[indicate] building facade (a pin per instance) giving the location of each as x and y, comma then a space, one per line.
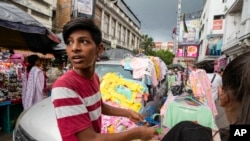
120, 27
212, 25
237, 29
41, 10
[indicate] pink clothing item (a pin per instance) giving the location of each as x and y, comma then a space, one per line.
201, 86
116, 123
142, 67
32, 91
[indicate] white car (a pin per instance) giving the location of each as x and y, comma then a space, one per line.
38, 123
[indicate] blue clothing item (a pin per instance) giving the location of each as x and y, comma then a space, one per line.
219, 45
124, 91
127, 66
148, 80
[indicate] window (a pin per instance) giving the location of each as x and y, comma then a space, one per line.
123, 34
106, 23
112, 28
118, 32
128, 37
217, 17
245, 10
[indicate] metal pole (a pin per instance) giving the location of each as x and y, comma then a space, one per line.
178, 26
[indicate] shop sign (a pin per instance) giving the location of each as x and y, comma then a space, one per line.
192, 36
85, 8
218, 24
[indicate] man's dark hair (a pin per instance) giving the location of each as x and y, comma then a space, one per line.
82, 24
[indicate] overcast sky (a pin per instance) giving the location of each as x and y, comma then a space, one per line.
159, 17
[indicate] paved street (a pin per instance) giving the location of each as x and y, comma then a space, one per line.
5, 136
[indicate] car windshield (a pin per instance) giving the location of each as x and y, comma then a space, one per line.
102, 69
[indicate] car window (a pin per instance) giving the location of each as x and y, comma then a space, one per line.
102, 69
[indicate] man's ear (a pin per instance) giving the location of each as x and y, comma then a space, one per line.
100, 49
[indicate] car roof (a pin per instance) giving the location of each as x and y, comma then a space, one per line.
110, 62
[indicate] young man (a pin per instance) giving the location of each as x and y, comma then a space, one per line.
76, 95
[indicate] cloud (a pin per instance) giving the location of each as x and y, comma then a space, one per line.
159, 17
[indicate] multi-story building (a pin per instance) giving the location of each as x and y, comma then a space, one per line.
237, 28
120, 27
41, 10
164, 46
211, 31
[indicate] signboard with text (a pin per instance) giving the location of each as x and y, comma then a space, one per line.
192, 36
218, 24
85, 8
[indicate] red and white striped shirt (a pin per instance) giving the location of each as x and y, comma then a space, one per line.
77, 102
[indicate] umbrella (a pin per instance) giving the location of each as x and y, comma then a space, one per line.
18, 30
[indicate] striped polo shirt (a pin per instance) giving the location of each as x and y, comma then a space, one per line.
77, 102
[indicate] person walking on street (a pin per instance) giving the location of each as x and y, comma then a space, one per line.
33, 83
216, 82
76, 94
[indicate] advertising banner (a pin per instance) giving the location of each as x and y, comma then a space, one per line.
214, 45
180, 51
217, 24
187, 51
192, 36
85, 8
192, 51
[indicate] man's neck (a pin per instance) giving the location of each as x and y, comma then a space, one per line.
87, 73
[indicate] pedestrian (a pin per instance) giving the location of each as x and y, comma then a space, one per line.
216, 82
234, 95
76, 94
33, 82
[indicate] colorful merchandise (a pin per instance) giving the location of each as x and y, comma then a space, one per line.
124, 92
182, 110
201, 87
115, 124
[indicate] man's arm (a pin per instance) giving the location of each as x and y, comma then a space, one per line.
114, 111
143, 133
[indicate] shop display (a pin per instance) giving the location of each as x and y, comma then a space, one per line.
10, 79
124, 92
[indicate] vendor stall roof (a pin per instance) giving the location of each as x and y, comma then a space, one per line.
19, 30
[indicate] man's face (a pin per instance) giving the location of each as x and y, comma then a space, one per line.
82, 50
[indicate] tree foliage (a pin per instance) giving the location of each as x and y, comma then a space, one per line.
165, 55
147, 45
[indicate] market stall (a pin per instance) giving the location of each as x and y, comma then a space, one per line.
11, 73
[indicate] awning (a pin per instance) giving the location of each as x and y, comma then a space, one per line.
27, 53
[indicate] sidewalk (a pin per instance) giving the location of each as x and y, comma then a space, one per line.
5, 137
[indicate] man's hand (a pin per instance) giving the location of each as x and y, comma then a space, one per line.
134, 116
147, 133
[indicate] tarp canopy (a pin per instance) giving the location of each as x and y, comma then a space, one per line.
19, 30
